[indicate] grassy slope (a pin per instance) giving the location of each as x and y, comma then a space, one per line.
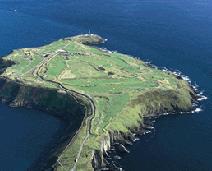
123, 88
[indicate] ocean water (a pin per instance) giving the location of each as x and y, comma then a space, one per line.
25, 134
176, 34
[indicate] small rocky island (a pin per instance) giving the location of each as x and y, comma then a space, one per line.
109, 93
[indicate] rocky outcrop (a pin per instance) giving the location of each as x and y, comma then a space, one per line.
88, 39
157, 103
4, 64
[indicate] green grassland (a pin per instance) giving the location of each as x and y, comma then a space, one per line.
124, 89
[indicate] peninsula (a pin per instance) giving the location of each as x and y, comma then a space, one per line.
109, 93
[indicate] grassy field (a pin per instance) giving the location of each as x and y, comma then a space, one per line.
123, 89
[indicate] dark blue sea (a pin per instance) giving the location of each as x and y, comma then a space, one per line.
176, 34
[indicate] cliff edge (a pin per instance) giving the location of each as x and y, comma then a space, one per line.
109, 93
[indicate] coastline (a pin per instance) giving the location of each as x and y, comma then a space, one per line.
65, 135
165, 101
118, 139
119, 146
